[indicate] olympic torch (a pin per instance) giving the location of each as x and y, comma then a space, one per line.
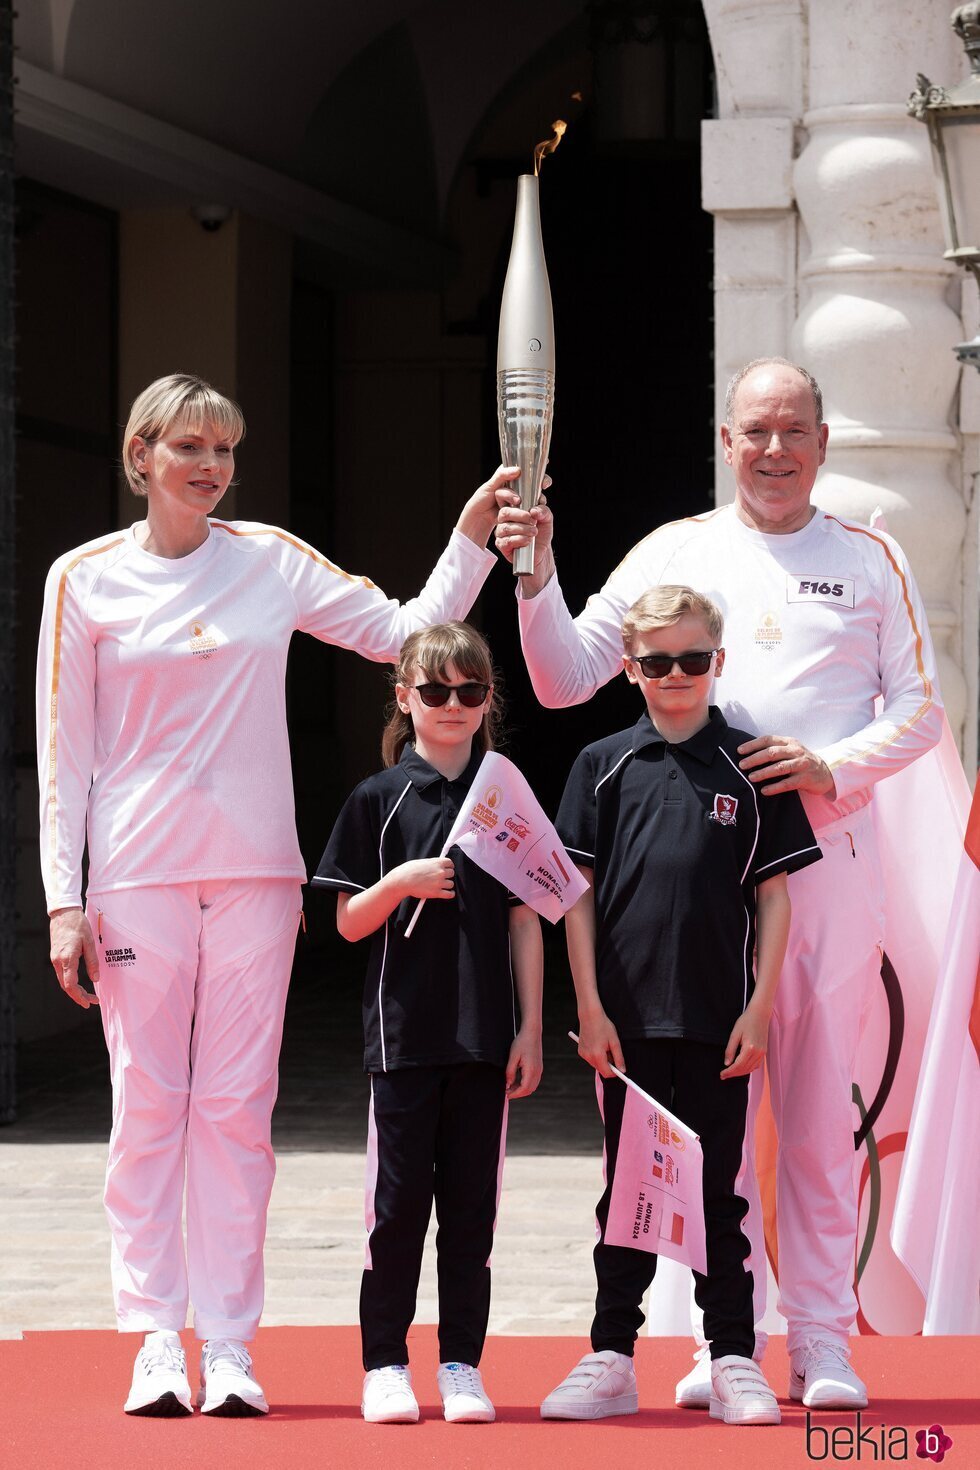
526, 350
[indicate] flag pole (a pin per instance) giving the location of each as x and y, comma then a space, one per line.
638, 1089
422, 902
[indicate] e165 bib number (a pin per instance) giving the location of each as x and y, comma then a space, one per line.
820, 589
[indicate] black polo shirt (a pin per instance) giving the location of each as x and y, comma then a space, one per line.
446, 994
678, 839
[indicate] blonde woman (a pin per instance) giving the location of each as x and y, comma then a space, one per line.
162, 738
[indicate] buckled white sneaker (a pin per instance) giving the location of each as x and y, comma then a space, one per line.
228, 1389
464, 1399
160, 1389
821, 1377
599, 1385
387, 1396
740, 1393
693, 1391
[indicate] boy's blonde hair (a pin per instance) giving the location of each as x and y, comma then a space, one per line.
429, 650
178, 396
662, 607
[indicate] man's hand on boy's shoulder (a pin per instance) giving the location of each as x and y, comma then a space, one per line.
598, 1044
798, 768
747, 1044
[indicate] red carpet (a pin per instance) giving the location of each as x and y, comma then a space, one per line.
63, 1393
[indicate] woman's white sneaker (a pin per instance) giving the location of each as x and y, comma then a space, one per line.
821, 1377
464, 1400
387, 1396
228, 1390
600, 1384
740, 1393
160, 1389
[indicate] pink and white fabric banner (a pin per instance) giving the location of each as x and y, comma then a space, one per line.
503, 828
934, 1230
657, 1201
920, 815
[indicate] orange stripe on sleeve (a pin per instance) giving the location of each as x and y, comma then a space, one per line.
55, 691
862, 531
667, 525
910, 611
315, 556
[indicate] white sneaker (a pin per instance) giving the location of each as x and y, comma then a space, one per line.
600, 1384
464, 1400
693, 1391
387, 1396
740, 1393
160, 1389
821, 1377
228, 1389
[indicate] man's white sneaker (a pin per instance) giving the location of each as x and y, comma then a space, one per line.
821, 1377
693, 1391
599, 1385
464, 1400
228, 1390
387, 1396
740, 1393
160, 1389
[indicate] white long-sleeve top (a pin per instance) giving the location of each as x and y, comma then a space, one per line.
818, 624
161, 711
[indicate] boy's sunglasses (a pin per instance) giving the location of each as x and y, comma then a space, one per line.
471, 696
659, 665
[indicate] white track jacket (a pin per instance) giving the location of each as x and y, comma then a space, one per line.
818, 624
161, 711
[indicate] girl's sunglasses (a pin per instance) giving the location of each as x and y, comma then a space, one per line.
471, 696
659, 665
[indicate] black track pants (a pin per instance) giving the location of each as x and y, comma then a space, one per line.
683, 1075
435, 1133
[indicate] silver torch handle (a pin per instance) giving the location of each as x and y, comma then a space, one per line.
526, 358
525, 410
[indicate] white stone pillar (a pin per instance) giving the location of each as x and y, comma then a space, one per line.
747, 183
875, 325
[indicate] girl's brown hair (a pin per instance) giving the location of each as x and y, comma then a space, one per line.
429, 651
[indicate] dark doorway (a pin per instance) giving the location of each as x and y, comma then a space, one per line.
629, 258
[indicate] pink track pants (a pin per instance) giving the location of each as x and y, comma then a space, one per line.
192, 990
832, 967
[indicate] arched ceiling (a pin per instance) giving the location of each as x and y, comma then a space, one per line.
312, 89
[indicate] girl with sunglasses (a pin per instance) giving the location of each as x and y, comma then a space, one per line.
442, 1044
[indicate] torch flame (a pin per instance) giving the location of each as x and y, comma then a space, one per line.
549, 145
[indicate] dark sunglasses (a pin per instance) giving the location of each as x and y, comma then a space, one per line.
471, 696
659, 665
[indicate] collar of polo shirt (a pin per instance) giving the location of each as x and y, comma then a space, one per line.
422, 775
701, 745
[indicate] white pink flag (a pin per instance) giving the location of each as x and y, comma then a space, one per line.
505, 831
657, 1203
935, 1230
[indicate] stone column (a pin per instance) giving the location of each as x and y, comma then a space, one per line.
747, 183
876, 324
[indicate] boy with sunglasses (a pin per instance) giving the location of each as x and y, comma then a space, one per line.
687, 869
